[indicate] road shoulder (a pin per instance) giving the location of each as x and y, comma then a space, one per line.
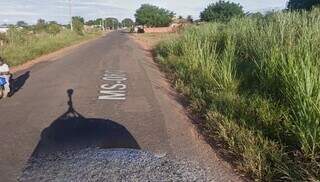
184, 137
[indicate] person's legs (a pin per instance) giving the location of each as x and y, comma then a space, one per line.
6, 88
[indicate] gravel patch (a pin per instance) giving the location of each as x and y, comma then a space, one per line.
111, 165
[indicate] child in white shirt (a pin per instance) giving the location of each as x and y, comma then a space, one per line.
5, 72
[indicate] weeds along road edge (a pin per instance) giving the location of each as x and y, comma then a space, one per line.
244, 78
23, 47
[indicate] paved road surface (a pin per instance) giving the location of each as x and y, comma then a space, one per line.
109, 82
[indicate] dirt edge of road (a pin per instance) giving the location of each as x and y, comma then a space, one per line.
53, 55
177, 102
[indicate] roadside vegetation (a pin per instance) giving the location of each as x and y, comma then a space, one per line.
127, 22
254, 81
221, 11
153, 16
23, 43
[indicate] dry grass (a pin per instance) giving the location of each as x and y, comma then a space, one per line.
23, 46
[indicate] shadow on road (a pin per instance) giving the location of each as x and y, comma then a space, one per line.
72, 131
17, 83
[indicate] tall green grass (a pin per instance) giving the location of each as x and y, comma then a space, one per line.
256, 83
23, 46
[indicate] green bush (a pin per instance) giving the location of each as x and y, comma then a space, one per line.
53, 29
78, 24
256, 84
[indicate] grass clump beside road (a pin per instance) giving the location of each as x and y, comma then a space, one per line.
256, 84
22, 46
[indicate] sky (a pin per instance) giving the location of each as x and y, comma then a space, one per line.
30, 11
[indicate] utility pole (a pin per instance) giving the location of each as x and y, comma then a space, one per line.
70, 14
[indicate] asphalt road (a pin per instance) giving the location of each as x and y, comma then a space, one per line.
107, 94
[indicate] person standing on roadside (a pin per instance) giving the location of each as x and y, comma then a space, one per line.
5, 73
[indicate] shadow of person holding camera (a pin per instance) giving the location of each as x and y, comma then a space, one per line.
72, 131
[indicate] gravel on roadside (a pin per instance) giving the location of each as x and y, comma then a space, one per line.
95, 164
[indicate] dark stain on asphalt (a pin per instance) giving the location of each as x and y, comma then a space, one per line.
72, 131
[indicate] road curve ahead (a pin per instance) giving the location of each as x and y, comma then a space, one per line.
107, 94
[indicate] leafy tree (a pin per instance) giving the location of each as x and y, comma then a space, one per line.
190, 19
22, 24
120, 25
98, 21
53, 22
153, 16
40, 26
127, 22
78, 18
221, 11
112, 23
41, 22
90, 23
53, 28
78, 24
302, 4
